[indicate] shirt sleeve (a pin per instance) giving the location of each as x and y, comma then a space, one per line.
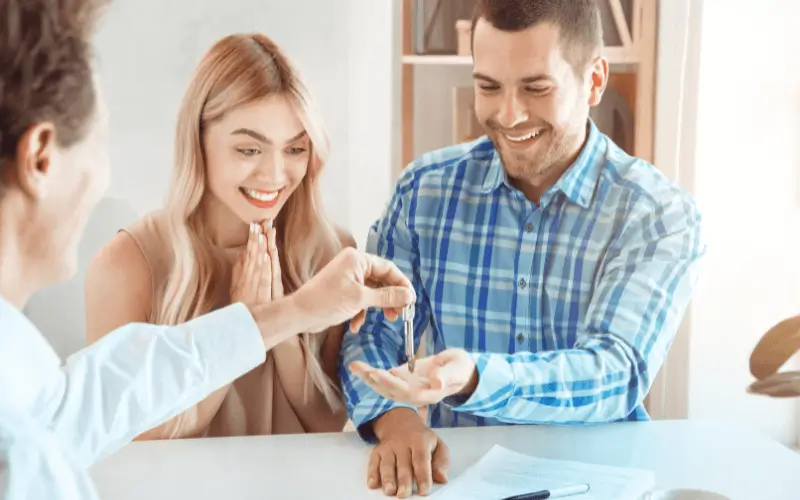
636, 308
141, 375
33, 466
380, 343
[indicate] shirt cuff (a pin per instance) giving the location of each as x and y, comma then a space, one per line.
496, 386
366, 430
229, 341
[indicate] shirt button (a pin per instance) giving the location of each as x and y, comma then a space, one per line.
520, 338
522, 283
529, 228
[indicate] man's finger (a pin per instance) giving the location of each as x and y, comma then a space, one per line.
389, 297
405, 472
384, 272
358, 321
421, 460
440, 462
373, 475
388, 472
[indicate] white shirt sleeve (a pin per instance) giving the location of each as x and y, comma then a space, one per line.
33, 465
140, 375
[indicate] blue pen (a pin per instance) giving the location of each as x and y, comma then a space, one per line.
566, 491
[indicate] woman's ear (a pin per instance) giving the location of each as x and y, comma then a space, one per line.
34, 159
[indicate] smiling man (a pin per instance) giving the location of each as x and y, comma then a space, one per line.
552, 269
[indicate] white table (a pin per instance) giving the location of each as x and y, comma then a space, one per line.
690, 454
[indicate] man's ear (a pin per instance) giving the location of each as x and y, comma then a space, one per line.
34, 159
598, 79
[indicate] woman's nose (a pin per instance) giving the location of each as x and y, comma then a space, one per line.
272, 171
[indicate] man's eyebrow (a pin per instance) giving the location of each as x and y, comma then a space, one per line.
526, 79
481, 76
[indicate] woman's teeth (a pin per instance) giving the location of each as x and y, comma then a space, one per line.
520, 138
261, 195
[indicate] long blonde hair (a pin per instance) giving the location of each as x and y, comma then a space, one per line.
238, 70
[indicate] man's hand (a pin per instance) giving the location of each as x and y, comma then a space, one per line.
343, 290
408, 452
350, 284
435, 377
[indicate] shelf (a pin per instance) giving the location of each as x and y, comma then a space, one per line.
443, 60
615, 55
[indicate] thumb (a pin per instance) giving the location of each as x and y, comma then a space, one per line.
444, 370
388, 297
440, 463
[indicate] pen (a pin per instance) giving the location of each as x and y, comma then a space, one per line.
566, 491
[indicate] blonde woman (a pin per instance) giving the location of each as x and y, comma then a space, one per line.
243, 219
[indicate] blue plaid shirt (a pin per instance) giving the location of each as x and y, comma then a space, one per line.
568, 308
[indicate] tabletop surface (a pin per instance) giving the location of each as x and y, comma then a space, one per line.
725, 459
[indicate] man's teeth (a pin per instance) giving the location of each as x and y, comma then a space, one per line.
258, 195
520, 138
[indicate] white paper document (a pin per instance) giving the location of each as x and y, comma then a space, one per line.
502, 473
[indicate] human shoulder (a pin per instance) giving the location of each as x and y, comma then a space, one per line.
120, 272
346, 239
644, 187
464, 163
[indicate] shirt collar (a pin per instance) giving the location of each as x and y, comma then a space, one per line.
579, 181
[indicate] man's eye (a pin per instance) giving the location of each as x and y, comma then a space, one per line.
488, 88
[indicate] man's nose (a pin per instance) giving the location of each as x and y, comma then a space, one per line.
512, 112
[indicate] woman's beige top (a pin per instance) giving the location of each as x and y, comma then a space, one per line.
256, 403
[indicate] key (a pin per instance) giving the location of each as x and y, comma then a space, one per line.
408, 325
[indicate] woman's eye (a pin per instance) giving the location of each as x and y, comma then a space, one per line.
296, 150
248, 151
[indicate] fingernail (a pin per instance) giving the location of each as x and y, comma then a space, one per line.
261, 238
252, 228
371, 482
387, 488
268, 223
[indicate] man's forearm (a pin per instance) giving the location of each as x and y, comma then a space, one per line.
141, 375
365, 405
589, 384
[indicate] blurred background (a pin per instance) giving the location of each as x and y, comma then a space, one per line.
709, 91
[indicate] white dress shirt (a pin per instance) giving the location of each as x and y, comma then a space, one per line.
57, 420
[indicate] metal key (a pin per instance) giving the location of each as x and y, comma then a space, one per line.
408, 325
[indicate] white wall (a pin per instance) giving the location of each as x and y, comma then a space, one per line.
747, 182
147, 51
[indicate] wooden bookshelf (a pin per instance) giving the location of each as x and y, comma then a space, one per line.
632, 63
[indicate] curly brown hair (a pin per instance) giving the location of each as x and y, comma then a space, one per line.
46, 69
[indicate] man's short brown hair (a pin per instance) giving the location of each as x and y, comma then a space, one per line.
46, 69
578, 22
